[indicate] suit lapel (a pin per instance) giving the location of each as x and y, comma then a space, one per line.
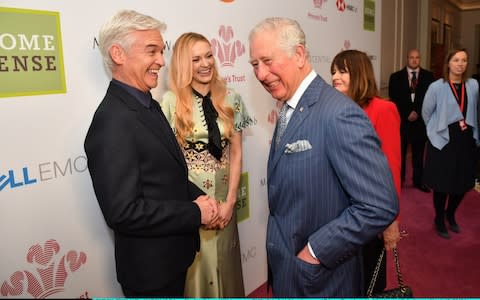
153, 121
405, 81
301, 113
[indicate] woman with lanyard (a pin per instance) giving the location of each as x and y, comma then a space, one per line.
450, 114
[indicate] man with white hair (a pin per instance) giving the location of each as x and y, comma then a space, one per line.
137, 168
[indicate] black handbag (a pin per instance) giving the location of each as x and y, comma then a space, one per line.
402, 291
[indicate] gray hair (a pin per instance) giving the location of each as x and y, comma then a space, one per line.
118, 29
290, 34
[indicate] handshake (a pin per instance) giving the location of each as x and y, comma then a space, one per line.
215, 215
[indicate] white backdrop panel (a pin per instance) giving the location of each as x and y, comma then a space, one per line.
42, 136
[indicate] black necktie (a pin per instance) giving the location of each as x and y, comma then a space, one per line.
211, 115
413, 83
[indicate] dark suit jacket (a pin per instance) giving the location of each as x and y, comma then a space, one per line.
399, 93
140, 179
335, 190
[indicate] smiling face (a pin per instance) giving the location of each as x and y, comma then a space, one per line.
203, 63
278, 72
457, 65
340, 80
139, 65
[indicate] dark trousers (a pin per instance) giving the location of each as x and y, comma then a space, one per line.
174, 289
418, 150
439, 201
371, 253
477, 169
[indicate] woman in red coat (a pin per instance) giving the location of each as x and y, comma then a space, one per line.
352, 74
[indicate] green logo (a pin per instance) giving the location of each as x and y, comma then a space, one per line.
369, 15
243, 199
31, 59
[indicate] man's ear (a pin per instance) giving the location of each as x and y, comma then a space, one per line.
301, 55
117, 54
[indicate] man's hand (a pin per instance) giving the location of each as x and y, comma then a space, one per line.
305, 255
208, 209
225, 212
391, 236
413, 116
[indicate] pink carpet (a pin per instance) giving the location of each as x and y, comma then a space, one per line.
434, 266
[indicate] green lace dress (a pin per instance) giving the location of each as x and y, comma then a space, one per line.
217, 269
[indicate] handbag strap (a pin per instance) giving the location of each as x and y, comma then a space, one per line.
377, 269
401, 284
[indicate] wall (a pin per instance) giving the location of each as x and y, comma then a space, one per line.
407, 24
55, 242
399, 34
470, 39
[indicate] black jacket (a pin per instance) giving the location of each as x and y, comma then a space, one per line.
141, 182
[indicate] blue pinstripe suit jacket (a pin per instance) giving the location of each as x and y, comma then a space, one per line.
337, 195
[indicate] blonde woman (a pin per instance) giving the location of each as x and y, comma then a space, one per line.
208, 119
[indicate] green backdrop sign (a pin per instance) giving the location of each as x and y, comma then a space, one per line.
31, 59
243, 199
369, 15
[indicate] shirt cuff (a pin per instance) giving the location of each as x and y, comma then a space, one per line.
311, 251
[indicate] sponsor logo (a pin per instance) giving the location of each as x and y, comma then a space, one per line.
319, 3
227, 50
243, 199
45, 171
272, 116
343, 6
315, 12
168, 44
48, 274
319, 59
30, 51
369, 15
346, 45
249, 254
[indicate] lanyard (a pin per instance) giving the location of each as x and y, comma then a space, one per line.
462, 124
461, 101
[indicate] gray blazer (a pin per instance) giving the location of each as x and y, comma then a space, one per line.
441, 109
328, 184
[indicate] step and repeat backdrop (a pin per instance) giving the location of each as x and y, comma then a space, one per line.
54, 241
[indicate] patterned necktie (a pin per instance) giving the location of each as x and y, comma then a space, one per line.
413, 83
281, 123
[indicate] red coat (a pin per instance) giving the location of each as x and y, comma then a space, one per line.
386, 121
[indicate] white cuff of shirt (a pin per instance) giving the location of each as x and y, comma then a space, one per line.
311, 251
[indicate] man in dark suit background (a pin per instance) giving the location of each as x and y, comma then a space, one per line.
138, 171
407, 89
330, 189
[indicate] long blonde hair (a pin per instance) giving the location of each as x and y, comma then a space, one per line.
180, 80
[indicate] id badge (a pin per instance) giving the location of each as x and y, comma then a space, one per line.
462, 124
412, 97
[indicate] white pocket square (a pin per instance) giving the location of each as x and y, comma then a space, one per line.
298, 146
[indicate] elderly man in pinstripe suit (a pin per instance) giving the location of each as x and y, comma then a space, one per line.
329, 186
